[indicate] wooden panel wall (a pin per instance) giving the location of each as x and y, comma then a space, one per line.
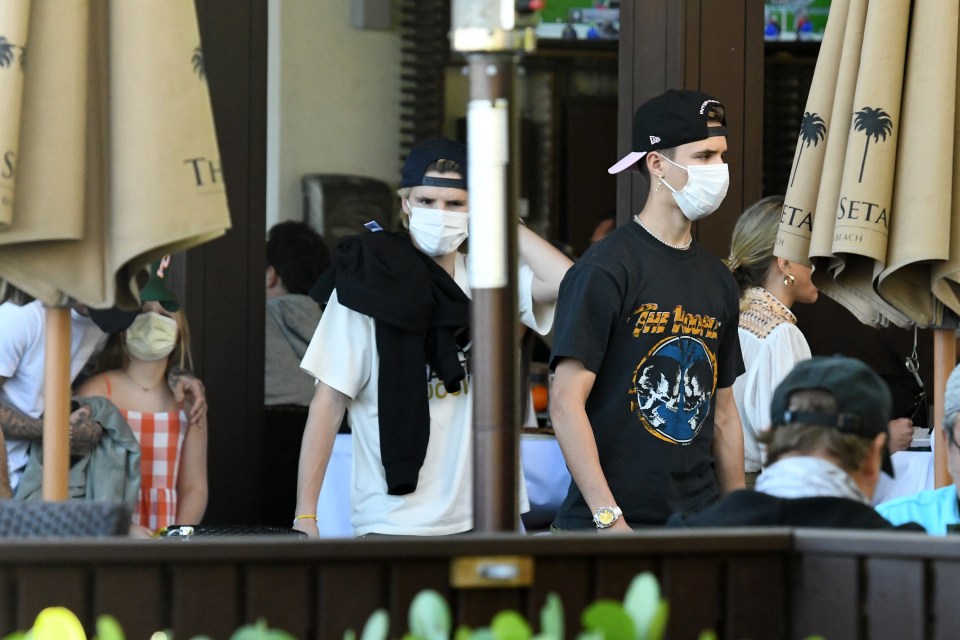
715, 46
743, 583
223, 280
319, 589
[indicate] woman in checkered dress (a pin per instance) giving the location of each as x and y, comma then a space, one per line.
173, 463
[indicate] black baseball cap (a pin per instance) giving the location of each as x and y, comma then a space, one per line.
864, 402
425, 154
113, 320
670, 120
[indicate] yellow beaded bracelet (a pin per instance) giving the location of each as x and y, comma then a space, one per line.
311, 516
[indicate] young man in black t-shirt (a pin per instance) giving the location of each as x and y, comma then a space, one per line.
646, 350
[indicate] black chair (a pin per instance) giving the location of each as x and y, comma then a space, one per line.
69, 519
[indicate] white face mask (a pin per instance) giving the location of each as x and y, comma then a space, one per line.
705, 189
437, 232
152, 336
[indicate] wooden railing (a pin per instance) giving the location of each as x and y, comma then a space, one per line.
774, 583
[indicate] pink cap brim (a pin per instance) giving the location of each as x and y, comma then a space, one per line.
627, 161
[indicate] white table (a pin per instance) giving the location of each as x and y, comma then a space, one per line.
543, 466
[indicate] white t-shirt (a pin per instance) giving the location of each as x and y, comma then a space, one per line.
22, 363
343, 354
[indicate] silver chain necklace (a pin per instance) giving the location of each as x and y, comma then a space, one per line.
682, 247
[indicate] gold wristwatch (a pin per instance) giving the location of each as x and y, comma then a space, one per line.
606, 516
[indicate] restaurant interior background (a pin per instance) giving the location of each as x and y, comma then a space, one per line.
299, 89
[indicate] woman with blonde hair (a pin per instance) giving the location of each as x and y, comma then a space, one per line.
173, 448
770, 341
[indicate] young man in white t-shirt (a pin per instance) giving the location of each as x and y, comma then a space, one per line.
430, 491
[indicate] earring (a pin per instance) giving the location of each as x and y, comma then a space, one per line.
789, 279
659, 180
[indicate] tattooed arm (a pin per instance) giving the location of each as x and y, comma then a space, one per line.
84, 432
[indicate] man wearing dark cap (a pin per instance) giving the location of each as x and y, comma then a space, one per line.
645, 350
825, 448
392, 347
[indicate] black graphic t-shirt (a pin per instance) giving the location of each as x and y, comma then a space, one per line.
659, 328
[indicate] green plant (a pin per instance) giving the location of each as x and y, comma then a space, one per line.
59, 623
641, 616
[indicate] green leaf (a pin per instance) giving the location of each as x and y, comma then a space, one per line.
109, 629
462, 633
551, 617
658, 626
610, 619
430, 616
349, 634
16, 635
259, 631
510, 625
707, 634
641, 602
58, 623
377, 627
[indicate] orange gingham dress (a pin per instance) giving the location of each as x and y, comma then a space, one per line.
161, 438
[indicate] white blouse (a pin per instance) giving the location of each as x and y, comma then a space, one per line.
771, 345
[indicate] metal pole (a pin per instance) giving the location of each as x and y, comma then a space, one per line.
485, 31
493, 259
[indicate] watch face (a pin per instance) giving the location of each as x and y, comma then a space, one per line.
605, 516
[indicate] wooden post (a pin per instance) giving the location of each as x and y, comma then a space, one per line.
944, 360
56, 413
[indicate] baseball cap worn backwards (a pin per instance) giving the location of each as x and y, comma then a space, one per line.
425, 154
670, 120
864, 403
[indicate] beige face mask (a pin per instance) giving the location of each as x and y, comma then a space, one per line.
152, 336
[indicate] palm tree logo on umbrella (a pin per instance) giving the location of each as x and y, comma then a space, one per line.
199, 64
812, 130
876, 124
8, 53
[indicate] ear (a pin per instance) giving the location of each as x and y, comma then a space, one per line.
272, 278
654, 162
405, 205
783, 265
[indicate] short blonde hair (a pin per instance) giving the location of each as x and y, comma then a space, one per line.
753, 240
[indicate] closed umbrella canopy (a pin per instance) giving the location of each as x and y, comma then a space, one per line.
870, 202
118, 161
110, 160
873, 201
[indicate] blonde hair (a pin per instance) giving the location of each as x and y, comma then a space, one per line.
754, 237
846, 449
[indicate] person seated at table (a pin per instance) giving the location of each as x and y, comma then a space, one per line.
134, 369
296, 256
936, 510
829, 420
